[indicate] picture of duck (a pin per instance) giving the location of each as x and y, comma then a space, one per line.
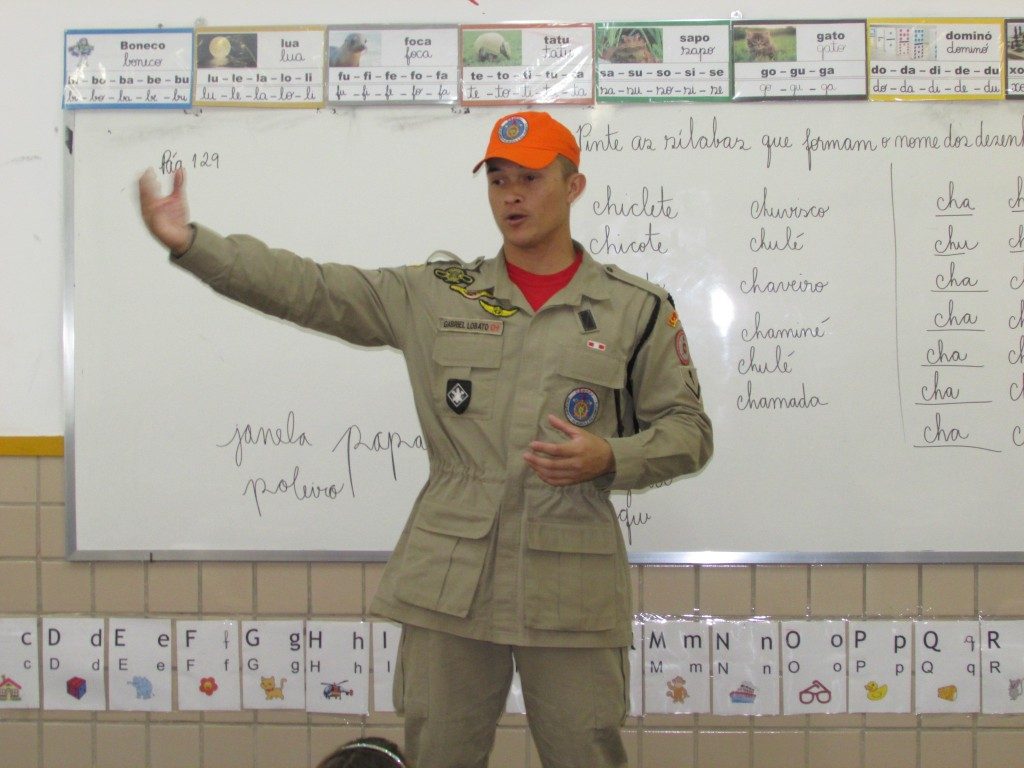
875, 691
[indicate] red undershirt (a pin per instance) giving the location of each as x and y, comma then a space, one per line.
539, 288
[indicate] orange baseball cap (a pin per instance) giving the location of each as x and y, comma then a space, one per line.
530, 139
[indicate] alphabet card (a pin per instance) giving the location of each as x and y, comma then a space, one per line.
19, 664
879, 666
259, 67
392, 65
127, 68
273, 665
814, 667
948, 657
745, 667
1002, 670
677, 659
73, 664
338, 667
663, 61
139, 664
636, 671
208, 665
531, 64
798, 60
919, 59
1014, 58
385, 653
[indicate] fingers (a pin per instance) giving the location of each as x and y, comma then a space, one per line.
179, 181
554, 449
149, 187
553, 472
563, 426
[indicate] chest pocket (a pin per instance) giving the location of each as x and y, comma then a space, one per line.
471, 357
598, 372
606, 369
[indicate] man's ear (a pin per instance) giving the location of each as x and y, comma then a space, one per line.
577, 183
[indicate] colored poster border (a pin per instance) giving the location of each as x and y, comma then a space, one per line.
512, 51
928, 21
789, 51
656, 47
1013, 46
187, 68
229, 32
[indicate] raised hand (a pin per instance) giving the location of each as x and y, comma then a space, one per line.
166, 217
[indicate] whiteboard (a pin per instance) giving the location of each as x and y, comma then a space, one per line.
849, 277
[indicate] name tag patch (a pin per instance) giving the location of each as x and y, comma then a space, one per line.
469, 325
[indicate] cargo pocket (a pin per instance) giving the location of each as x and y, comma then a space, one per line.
444, 557
573, 577
463, 357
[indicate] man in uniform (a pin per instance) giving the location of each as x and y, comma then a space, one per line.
542, 381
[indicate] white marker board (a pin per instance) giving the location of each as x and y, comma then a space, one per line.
859, 345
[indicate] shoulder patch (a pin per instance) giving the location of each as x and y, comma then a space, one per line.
447, 257
637, 282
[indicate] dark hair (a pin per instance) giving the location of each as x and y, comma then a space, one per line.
368, 752
568, 166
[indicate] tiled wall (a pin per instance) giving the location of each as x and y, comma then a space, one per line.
35, 580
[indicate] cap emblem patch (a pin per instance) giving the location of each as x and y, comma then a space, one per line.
513, 129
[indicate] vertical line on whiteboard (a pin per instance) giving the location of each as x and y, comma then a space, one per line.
896, 297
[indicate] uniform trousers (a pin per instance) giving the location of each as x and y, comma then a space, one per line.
452, 691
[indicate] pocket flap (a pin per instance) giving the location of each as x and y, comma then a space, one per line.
467, 350
455, 519
601, 368
565, 537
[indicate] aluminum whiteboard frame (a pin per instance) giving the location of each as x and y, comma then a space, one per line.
704, 557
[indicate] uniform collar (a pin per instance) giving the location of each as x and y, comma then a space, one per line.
589, 281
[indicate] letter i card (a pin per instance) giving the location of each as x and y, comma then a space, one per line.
385, 654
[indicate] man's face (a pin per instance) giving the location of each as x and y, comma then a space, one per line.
531, 206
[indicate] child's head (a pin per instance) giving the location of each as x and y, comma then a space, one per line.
369, 752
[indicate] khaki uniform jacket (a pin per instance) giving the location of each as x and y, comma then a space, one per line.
490, 551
